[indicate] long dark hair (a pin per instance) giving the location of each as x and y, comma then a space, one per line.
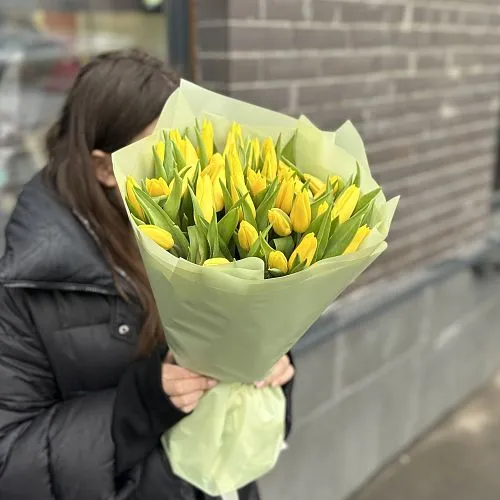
114, 98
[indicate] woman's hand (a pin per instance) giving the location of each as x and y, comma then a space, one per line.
282, 372
184, 387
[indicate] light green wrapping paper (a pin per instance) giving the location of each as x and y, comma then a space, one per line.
228, 322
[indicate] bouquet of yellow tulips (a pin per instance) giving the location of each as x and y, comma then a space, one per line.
250, 223
250, 200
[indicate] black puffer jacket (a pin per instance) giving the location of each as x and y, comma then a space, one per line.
74, 401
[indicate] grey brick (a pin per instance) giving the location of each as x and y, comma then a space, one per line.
225, 70
315, 382
242, 9
322, 38
431, 61
213, 39
289, 10
265, 38
354, 64
325, 10
290, 68
336, 92
273, 98
367, 12
369, 37
370, 345
212, 9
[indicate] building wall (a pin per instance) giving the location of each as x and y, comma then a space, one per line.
419, 79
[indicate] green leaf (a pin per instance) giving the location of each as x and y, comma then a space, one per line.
286, 245
213, 238
198, 245
137, 220
334, 225
357, 179
224, 250
133, 211
341, 238
264, 245
203, 152
228, 200
160, 199
199, 220
255, 249
297, 172
228, 224
289, 149
247, 211
277, 147
159, 170
366, 199
179, 158
227, 167
158, 217
298, 265
174, 199
275, 273
316, 223
169, 164
266, 204
323, 235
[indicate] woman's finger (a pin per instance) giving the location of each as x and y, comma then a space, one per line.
277, 373
187, 402
284, 377
180, 387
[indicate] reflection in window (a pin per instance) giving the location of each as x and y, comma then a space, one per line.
40, 55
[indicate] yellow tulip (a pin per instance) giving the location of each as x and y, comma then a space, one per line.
132, 198
236, 167
257, 181
305, 250
268, 146
158, 235
217, 174
234, 137
286, 193
247, 235
157, 187
322, 208
346, 203
216, 261
207, 136
359, 237
270, 168
333, 180
215, 165
315, 184
280, 222
254, 156
298, 185
284, 172
160, 150
205, 196
185, 147
300, 215
277, 260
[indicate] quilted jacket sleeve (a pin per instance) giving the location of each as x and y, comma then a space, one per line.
48, 449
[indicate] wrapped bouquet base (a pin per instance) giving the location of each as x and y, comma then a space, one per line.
231, 322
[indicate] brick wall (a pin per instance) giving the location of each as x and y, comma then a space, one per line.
420, 79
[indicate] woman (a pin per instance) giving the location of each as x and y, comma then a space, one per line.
86, 390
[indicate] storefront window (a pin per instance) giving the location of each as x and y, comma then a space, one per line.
41, 51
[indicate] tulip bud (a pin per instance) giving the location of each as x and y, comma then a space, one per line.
158, 235
333, 180
315, 184
284, 172
277, 260
359, 237
207, 136
216, 261
270, 168
247, 235
254, 153
305, 250
160, 150
205, 196
286, 193
256, 181
185, 147
298, 185
322, 208
157, 187
346, 203
301, 212
280, 222
132, 198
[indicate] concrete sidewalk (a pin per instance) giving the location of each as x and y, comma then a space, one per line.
459, 460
